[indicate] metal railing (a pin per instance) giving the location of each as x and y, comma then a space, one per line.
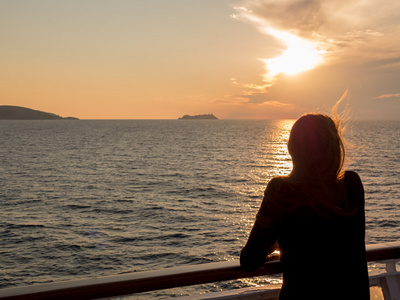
126, 284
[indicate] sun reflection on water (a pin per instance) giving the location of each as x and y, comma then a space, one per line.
271, 158
261, 281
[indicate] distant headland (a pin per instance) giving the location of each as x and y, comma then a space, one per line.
199, 117
8, 112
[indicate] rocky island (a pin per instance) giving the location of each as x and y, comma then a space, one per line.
8, 112
199, 117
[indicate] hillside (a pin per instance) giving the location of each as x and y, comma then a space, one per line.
199, 117
8, 112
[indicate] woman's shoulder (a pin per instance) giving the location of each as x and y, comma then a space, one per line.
351, 173
273, 200
352, 181
352, 177
277, 184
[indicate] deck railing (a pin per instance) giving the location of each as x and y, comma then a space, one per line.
125, 284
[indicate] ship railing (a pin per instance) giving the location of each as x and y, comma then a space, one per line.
138, 282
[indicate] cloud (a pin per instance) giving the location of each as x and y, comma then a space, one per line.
391, 63
302, 16
257, 98
261, 98
385, 96
309, 17
257, 87
252, 93
351, 33
358, 42
347, 26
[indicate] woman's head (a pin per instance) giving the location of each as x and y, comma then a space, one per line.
316, 147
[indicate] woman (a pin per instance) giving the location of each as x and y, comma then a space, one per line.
316, 214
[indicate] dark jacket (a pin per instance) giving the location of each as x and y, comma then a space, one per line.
322, 257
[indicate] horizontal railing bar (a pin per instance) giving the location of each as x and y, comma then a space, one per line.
383, 251
162, 279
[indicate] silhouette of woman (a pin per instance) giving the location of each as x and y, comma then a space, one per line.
316, 214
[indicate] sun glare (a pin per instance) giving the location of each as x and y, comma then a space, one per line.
300, 55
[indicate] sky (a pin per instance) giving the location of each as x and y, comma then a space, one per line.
162, 59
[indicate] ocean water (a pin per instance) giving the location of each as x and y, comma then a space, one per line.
89, 198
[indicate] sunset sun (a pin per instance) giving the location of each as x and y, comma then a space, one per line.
300, 55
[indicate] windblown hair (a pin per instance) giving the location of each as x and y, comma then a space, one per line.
318, 154
316, 147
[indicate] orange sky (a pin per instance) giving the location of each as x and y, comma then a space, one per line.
163, 59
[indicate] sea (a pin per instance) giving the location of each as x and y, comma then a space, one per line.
89, 198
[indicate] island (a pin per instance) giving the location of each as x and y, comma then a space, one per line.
9, 112
199, 117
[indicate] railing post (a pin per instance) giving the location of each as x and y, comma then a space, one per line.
391, 266
391, 283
